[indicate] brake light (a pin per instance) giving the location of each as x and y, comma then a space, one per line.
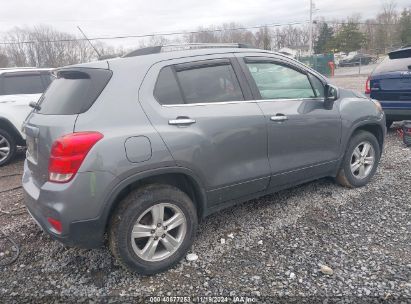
67, 154
367, 86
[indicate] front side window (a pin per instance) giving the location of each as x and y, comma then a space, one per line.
318, 86
198, 82
277, 81
22, 84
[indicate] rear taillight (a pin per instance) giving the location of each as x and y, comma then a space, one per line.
67, 154
367, 86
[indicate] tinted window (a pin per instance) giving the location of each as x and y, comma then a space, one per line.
22, 84
392, 65
209, 84
47, 79
317, 85
74, 91
276, 81
166, 90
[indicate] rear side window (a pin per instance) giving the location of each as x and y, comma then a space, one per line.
22, 84
210, 84
74, 91
167, 90
198, 82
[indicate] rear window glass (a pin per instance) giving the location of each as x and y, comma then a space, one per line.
167, 90
73, 91
210, 84
22, 84
392, 65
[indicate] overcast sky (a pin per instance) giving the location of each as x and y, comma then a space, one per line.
123, 17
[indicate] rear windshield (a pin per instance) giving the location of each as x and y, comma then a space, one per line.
392, 65
73, 91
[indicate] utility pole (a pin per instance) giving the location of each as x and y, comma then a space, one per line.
311, 29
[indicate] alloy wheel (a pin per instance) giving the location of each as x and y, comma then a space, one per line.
4, 148
158, 232
362, 160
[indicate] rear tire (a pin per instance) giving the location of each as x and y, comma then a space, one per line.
356, 168
8, 147
134, 231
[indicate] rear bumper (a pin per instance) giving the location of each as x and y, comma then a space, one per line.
85, 234
79, 211
396, 110
397, 114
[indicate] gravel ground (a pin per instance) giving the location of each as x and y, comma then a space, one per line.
274, 247
354, 82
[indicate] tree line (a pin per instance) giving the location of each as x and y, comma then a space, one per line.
391, 28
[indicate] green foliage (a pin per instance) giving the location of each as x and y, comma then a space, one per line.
348, 38
405, 27
322, 44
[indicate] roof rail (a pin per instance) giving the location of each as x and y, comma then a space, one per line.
186, 46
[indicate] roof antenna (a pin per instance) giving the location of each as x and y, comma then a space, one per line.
98, 54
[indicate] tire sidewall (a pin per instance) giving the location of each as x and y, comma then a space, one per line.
354, 142
139, 204
12, 143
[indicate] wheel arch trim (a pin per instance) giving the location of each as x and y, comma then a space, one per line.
201, 202
370, 123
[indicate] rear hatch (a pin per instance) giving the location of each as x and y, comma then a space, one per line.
73, 92
391, 80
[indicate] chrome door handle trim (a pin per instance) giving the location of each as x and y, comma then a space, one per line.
181, 121
279, 118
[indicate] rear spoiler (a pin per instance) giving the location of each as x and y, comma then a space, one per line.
401, 53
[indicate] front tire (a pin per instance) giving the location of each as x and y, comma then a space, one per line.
153, 229
360, 160
8, 147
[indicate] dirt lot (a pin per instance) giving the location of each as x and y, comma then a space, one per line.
274, 246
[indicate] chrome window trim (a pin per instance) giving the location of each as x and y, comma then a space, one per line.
241, 101
207, 103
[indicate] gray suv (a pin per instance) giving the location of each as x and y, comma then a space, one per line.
140, 148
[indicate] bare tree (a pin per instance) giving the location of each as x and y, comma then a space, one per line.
43, 46
386, 33
4, 60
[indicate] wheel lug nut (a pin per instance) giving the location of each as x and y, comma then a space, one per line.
165, 227
163, 236
153, 231
156, 238
159, 225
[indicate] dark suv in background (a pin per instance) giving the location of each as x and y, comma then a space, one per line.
142, 147
390, 83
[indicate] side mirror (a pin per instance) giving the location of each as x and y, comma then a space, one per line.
331, 95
